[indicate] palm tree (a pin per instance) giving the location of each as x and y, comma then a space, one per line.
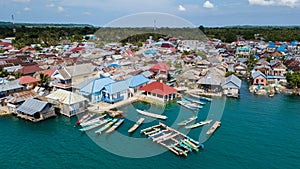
18, 75
44, 80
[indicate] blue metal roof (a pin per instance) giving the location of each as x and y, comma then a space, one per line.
114, 65
116, 87
138, 80
32, 106
271, 45
95, 86
275, 77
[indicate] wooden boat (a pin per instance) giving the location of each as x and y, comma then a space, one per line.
187, 121
115, 126
106, 126
149, 128
88, 118
194, 101
201, 97
271, 94
186, 105
83, 118
92, 121
202, 123
214, 127
136, 125
179, 150
95, 125
113, 113
151, 132
153, 115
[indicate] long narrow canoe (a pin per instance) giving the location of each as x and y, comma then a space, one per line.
201, 97
88, 118
136, 125
153, 115
95, 125
194, 101
106, 126
186, 105
92, 121
202, 123
187, 121
115, 126
214, 127
83, 118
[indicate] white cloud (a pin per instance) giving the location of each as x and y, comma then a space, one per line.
86, 13
181, 8
27, 9
21, 1
60, 9
289, 3
50, 5
208, 4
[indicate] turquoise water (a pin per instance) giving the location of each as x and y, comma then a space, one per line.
256, 132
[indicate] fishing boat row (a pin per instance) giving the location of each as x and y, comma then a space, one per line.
92, 121
109, 124
85, 118
153, 115
201, 97
90, 127
214, 127
202, 123
136, 125
173, 140
187, 121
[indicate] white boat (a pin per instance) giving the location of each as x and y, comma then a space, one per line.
136, 125
202, 123
153, 115
214, 127
92, 121
201, 97
187, 121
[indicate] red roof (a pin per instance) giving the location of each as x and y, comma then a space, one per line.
27, 79
5, 44
77, 49
159, 88
49, 72
160, 66
29, 69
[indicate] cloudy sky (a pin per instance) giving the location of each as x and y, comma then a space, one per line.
198, 12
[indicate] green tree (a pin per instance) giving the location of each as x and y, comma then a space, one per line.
293, 79
44, 80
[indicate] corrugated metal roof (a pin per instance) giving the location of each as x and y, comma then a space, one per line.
234, 80
258, 73
32, 106
81, 69
138, 80
66, 97
116, 87
11, 85
96, 85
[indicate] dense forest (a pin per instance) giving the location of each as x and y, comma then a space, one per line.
51, 35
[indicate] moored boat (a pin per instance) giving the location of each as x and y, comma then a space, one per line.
106, 126
83, 118
214, 127
92, 121
186, 105
201, 97
202, 123
187, 121
87, 128
153, 115
136, 125
115, 126
194, 101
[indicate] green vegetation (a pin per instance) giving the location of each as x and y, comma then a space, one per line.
228, 74
3, 72
251, 62
293, 79
44, 80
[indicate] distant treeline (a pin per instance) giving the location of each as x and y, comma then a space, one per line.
51, 35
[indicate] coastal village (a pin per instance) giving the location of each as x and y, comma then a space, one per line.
76, 77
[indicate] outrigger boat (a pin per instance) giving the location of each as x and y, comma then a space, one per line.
194, 101
88, 118
83, 118
201, 97
115, 126
214, 127
152, 114
202, 123
93, 121
187, 121
136, 125
106, 126
179, 150
149, 128
95, 125
186, 105
152, 131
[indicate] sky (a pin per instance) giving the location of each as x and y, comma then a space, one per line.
209, 13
